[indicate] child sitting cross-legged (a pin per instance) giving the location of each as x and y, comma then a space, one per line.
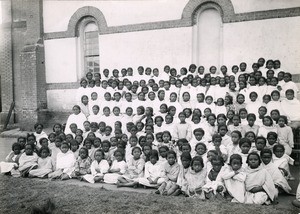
12, 160
27, 161
44, 164
82, 165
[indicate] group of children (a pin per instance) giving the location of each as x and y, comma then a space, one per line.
194, 133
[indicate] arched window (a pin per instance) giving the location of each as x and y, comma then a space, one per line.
87, 47
208, 37
91, 48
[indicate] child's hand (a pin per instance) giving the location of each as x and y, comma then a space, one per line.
220, 188
77, 173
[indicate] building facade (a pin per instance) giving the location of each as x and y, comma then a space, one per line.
48, 46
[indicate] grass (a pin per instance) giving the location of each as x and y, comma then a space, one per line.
20, 195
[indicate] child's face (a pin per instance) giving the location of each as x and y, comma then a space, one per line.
251, 121
185, 149
235, 138
267, 122
124, 138
83, 154
166, 138
116, 111
217, 141
253, 161
94, 128
17, 150
64, 148
44, 143
219, 102
271, 140
163, 152
196, 120
266, 158
97, 143
147, 150
251, 137
86, 126
28, 150
105, 147
200, 98
44, 153
266, 99
208, 100
171, 159
235, 121
281, 122
118, 156
197, 167
31, 140
217, 165
198, 135
289, 95
94, 96
243, 114
74, 147
253, 97
182, 118
221, 120
222, 131
107, 131
235, 164
136, 154
240, 99
245, 148
210, 155
133, 142
113, 141
133, 131
88, 144
159, 122
139, 126
211, 121
73, 128
200, 150
39, 129
260, 144
169, 119
185, 163
129, 111
279, 152
57, 143
262, 111
98, 156
95, 110
153, 160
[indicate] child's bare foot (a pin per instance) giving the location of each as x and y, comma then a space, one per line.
157, 192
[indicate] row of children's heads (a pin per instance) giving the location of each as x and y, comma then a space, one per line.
255, 78
270, 64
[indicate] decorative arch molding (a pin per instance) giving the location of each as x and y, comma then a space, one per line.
82, 13
194, 7
188, 18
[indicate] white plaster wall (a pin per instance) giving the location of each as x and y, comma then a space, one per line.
56, 16
271, 39
243, 6
148, 48
60, 60
61, 100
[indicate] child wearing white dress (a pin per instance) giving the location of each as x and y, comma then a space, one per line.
182, 129
12, 159
118, 167
282, 161
153, 171
170, 175
44, 164
134, 171
285, 135
39, 133
233, 178
195, 179
99, 168
266, 127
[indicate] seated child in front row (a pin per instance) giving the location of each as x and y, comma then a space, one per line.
185, 161
65, 162
27, 161
118, 167
170, 174
280, 182
82, 165
99, 167
12, 159
134, 171
233, 178
44, 164
282, 161
260, 188
195, 179
153, 171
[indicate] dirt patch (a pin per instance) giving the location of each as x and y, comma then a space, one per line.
19, 195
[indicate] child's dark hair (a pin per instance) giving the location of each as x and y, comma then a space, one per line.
154, 154
201, 144
182, 140
85, 149
87, 140
235, 157
216, 136
136, 148
171, 152
31, 135
16, 145
199, 130
105, 141
197, 158
213, 151
217, 158
265, 151
38, 124
94, 125
253, 153
163, 147
43, 138
186, 156
238, 133
261, 138
274, 134
43, 148
222, 126
251, 115
243, 141
65, 143
188, 145
121, 151
278, 146
284, 118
